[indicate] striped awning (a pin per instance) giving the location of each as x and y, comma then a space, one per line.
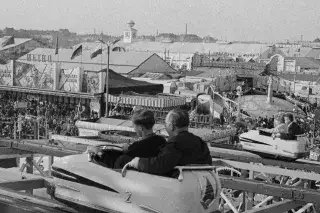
50, 92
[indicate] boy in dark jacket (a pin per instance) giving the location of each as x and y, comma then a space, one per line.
183, 148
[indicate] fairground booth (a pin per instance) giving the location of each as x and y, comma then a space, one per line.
46, 77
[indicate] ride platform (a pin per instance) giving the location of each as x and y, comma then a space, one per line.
13, 199
13, 184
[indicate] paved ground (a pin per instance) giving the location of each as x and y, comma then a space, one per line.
256, 105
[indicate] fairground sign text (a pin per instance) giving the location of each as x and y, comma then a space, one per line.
39, 58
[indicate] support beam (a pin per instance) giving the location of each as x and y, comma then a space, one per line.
94, 141
283, 191
44, 150
29, 161
272, 170
50, 162
25, 184
279, 207
35, 164
38, 146
247, 157
9, 151
306, 207
18, 156
13, 201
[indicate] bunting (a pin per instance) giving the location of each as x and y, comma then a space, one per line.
8, 41
77, 52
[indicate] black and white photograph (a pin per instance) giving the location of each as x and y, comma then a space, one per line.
160, 106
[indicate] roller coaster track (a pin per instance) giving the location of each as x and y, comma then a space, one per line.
233, 154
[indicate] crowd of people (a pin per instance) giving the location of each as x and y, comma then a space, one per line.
60, 118
36, 118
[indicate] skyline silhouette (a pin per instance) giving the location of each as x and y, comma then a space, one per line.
223, 19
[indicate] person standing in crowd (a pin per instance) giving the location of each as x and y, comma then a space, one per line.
182, 148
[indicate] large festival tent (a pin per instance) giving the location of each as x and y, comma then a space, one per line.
119, 84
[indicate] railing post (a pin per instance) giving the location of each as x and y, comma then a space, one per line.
29, 161
14, 130
51, 159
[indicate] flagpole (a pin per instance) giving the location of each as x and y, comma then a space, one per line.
58, 47
101, 58
81, 59
107, 83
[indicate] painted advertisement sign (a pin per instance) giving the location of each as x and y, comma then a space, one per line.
91, 82
70, 80
29, 75
6, 75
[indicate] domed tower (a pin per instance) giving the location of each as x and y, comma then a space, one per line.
130, 34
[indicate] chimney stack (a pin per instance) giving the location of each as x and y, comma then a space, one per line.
301, 37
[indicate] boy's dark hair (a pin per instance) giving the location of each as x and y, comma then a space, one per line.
290, 116
143, 117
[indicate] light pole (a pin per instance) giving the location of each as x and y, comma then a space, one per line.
239, 93
109, 44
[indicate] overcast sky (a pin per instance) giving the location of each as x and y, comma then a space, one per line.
232, 19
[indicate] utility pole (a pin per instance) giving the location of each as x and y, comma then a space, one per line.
239, 93
107, 74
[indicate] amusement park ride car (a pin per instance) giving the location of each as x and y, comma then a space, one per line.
94, 185
261, 142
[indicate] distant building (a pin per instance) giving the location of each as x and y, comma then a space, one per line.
8, 31
130, 34
209, 39
178, 50
192, 38
282, 64
64, 32
314, 53
20, 47
124, 63
166, 37
288, 50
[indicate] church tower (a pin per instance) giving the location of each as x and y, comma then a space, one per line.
130, 34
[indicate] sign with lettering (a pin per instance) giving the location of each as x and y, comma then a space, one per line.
6, 75
34, 75
70, 79
39, 58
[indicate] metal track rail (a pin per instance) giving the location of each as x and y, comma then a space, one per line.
236, 154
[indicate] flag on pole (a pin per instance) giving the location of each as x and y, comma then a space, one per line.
77, 52
96, 52
57, 45
8, 41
